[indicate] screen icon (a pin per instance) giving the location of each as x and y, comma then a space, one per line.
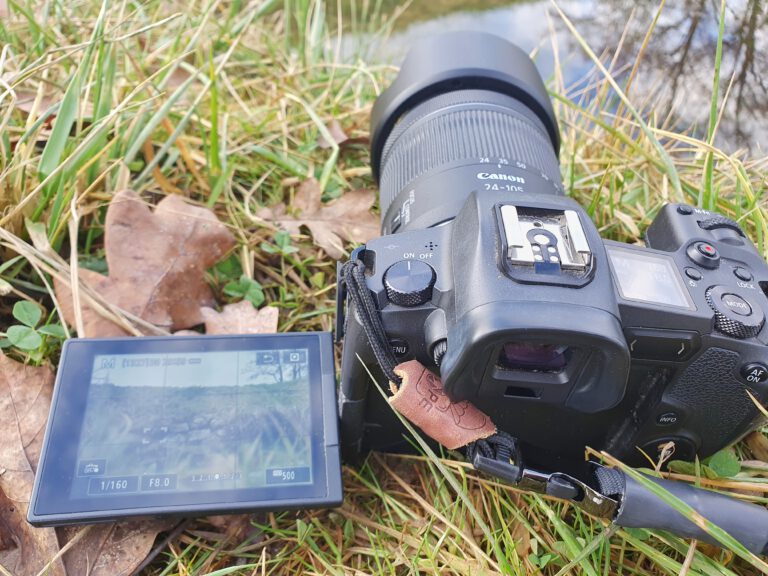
91, 467
266, 357
294, 356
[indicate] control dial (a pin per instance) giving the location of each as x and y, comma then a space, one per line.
736, 315
719, 221
409, 282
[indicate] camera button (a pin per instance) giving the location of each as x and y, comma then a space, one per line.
736, 304
703, 254
707, 249
743, 274
667, 418
754, 373
684, 209
738, 316
693, 274
399, 347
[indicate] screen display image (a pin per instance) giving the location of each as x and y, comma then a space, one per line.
203, 421
648, 277
189, 425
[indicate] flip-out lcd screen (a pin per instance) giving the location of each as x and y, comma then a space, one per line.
189, 426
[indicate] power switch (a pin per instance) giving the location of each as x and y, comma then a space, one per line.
409, 282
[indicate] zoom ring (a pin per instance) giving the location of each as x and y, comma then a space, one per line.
463, 126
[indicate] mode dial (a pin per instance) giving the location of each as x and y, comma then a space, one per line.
409, 282
736, 315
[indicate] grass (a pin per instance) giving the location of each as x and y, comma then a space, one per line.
223, 102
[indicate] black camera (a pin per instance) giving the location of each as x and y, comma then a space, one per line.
491, 277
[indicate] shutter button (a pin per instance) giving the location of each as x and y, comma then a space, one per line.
704, 254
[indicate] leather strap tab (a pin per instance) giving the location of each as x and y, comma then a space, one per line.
420, 398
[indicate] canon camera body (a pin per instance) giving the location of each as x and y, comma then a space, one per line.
491, 277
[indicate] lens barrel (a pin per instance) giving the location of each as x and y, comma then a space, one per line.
466, 106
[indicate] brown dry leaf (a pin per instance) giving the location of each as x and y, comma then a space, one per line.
157, 262
110, 549
758, 444
347, 218
240, 318
237, 528
336, 132
25, 100
177, 78
25, 398
522, 539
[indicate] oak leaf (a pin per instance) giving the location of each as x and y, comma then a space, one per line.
346, 218
157, 262
160, 258
25, 398
240, 318
110, 549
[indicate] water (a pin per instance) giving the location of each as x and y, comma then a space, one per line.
677, 68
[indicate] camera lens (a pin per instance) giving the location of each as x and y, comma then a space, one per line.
468, 112
533, 357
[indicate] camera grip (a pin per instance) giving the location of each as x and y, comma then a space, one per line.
641, 508
712, 406
719, 407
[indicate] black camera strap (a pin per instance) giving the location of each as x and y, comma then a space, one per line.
609, 492
352, 275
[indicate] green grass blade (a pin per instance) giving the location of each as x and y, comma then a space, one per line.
669, 166
707, 198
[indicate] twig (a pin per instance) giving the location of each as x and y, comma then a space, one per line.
175, 533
